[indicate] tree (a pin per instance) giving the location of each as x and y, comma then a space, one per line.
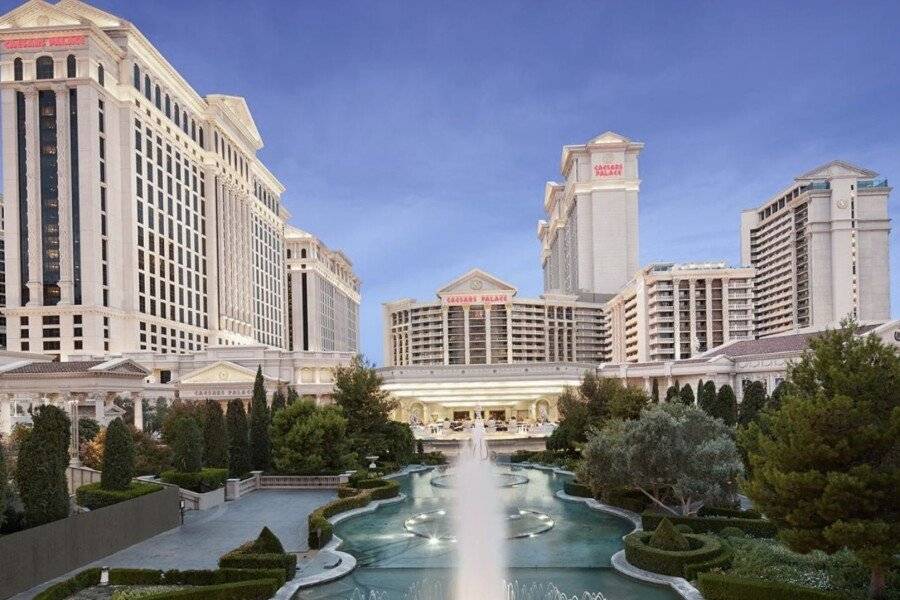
308, 440
672, 393
671, 451
686, 395
187, 446
41, 467
292, 396
825, 464
176, 412
366, 406
215, 440
595, 401
654, 391
238, 446
260, 446
725, 406
88, 428
156, 416
700, 392
754, 401
118, 457
4, 485
278, 401
706, 397
778, 393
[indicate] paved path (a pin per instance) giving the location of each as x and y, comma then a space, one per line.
206, 535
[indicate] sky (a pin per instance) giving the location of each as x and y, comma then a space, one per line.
417, 136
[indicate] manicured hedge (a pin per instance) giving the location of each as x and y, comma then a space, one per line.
320, 529
633, 500
430, 458
720, 586
242, 558
575, 488
259, 589
92, 496
639, 553
204, 480
220, 576
754, 527
723, 561
734, 513
71, 586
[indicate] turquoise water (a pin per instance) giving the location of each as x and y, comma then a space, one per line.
574, 554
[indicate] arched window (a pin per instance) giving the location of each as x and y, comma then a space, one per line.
200, 132
101, 75
147, 92
45, 67
177, 115
157, 97
70, 66
137, 77
193, 130
184, 122
17, 69
168, 106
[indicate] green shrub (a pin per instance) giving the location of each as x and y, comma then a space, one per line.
734, 513
732, 532
719, 586
71, 586
220, 576
135, 577
753, 527
722, 561
92, 496
683, 528
204, 480
118, 457
641, 554
240, 558
577, 489
520, 456
430, 458
666, 537
259, 589
267, 543
320, 531
627, 499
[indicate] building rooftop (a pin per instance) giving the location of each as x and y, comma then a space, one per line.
795, 342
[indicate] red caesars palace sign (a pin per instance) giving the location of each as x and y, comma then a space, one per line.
608, 170
463, 299
47, 42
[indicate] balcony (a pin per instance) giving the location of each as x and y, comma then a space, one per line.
872, 183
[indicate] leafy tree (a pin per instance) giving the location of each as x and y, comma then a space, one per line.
238, 446
366, 406
825, 464
292, 396
308, 440
654, 391
686, 395
88, 428
151, 457
215, 439
187, 446
278, 401
778, 394
754, 401
260, 446
671, 451
41, 467
397, 443
176, 412
673, 393
725, 406
156, 416
118, 457
595, 401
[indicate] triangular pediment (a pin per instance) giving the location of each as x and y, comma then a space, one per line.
610, 137
120, 366
236, 108
99, 17
222, 371
35, 14
476, 281
837, 169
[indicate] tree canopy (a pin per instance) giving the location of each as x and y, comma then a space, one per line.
752, 403
311, 440
41, 467
215, 438
260, 445
238, 443
366, 406
187, 446
686, 395
118, 457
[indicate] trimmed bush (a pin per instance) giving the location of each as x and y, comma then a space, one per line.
720, 586
683, 528
430, 458
220, 576
633, 500
754, 527
202, 481
321, 530
666, 537
733, 513
640, 553
71, 586
135, 577
260, 589
577, 489
732, 532
520, 456
242, 558
93, 496
118, 457
723, 561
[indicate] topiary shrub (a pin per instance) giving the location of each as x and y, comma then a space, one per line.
267, 542
118, 457
732, 532
683, 528
701, 549
666, 537
755, 527
242, 590
265, 552
92, 496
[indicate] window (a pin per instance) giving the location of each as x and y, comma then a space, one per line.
147, 87
70, 65
17, 69
168, 106
157, 97
45, 67
137, 77
100, 74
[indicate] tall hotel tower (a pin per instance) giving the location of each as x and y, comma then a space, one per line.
589, 242
138, 216
820, 248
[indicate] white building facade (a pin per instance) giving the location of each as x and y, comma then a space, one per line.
675, 311
589, 240
821, 250
138, 216
323, 296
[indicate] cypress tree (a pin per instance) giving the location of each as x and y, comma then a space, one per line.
725, 407
707, 400
260, 446
754, 401
686, 395
215, 440
292, 396
41, 467
238, 447
672, 393
187, 446
278, 401
654, 391
118, 457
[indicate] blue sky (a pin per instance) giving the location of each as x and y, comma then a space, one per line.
417, 136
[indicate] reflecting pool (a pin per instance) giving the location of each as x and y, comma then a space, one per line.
573, 554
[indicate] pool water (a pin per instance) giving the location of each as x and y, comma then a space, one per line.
574, 554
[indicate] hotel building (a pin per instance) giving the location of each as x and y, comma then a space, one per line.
138, 216
820, 249
323, 296
675, 311
477, 319
2, 281
589, 241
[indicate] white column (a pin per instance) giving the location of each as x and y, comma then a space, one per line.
487, 333
677, 324
445, 333
137, 399
32, 161
726, 312
6, 405
692, 290
466, 332
64, 196
99, 409
509, 333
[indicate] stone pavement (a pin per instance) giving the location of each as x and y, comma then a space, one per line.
206, 535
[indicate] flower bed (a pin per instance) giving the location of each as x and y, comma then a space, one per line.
93, 496
753, 527
704, 550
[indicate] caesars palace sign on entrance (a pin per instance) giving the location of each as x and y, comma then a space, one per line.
466, 299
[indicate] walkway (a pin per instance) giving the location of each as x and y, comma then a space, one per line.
206, 535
